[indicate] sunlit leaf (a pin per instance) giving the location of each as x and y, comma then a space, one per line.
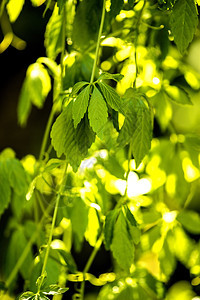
183, 21
54, 289
34, 91
178, 95
93, 227
27, 296
14, 8
53, 34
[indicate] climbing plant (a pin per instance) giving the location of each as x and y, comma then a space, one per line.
118, 168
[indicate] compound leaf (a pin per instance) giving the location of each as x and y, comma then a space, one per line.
76, 88
97, 111
183, 21
80, 105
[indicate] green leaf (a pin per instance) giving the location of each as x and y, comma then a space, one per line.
61, 4
128, 127
97, 112
141, 139
37, 2
111, 97
79, 85
105, 75
35, 89
122, 248
178, 95
52, 164
53, 34
74, 143
16, 175
5, 191
109, 227
163, 109
54, 289
78, 214
14, 8
68, 260
130, 216
190, 221
183, 22
16, 246
80, 105
86, 23
27, 296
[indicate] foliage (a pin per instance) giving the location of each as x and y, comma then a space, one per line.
116, 170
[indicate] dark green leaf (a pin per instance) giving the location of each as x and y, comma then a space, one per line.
78, 214
5, 191
122, 248
141, 139
130, 216
97, 112
80, 105
86, 23
183, 22
105, 75
128, 127
17, 244
2, 286
74, 143
178, 95
190, 221
76, 88
109, 227
111, 97
68, 259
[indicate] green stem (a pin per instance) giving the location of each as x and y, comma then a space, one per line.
3, 3
63, 48
62, 186
98, 41
27, 248
136, 40
46, 134
89, 263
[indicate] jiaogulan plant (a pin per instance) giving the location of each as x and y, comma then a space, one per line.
117, 180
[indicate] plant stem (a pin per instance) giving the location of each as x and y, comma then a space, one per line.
62, 186
46, 134
98, 42
27, 248
136, 40
89, 263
